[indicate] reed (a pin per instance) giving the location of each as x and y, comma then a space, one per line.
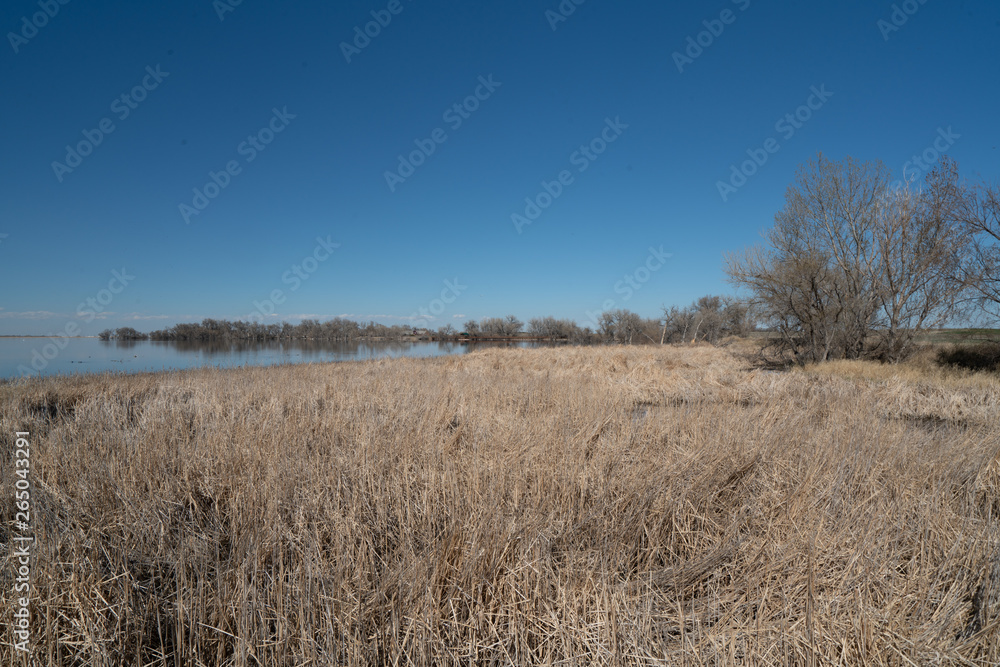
576, 506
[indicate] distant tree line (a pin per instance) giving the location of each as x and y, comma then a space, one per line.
337, 329
122, 333
708, 319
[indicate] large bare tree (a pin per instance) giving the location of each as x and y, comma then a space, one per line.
853, 268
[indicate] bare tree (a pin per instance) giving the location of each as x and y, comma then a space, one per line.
796, 296
512, 326
737, 317
981, 217
550, 327
501, 326
543, 327
853, 269
621, 326
710, 318
491, 326
921, 249
676, 324
128, 333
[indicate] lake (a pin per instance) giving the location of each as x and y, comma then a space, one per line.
50, 356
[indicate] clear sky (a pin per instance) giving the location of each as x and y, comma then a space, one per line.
335, 175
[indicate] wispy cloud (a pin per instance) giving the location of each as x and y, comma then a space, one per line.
27, 314
142, 316
299, 316
368, 316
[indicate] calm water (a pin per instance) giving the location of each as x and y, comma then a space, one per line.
43, 356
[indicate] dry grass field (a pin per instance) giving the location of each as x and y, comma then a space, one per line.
575, 506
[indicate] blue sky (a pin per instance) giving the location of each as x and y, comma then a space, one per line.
589, 114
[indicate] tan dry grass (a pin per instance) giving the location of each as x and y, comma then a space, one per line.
554, 506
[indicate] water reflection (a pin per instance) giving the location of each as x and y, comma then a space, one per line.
35, 356
315, 348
